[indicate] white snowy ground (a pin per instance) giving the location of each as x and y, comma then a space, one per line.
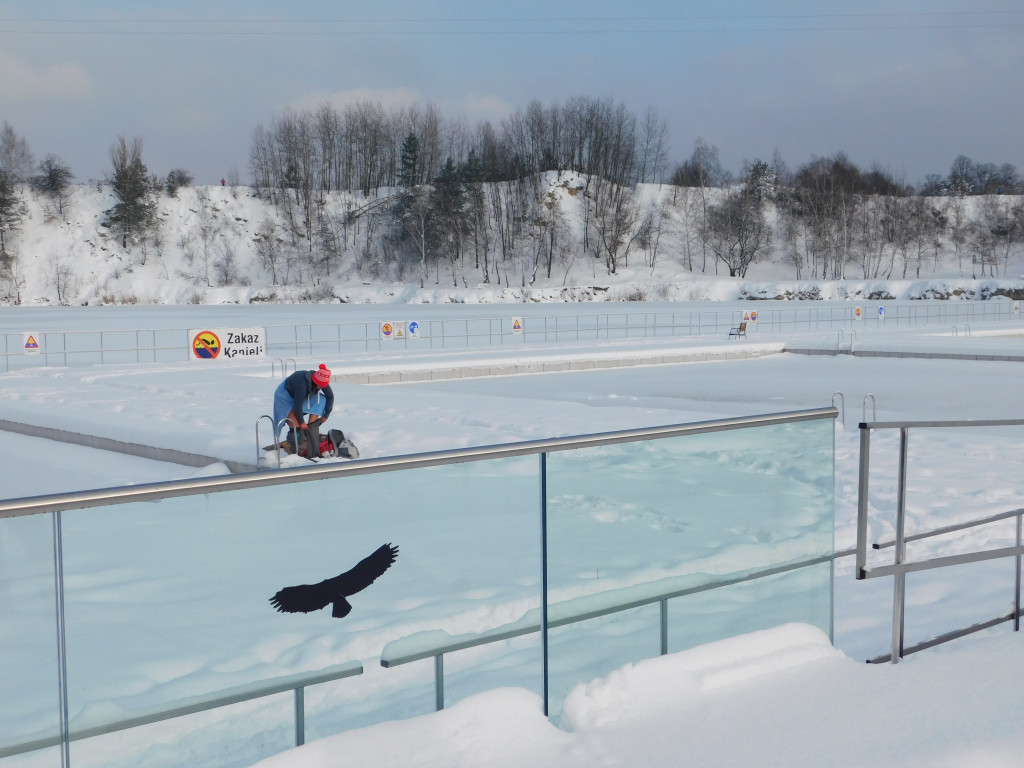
782, 697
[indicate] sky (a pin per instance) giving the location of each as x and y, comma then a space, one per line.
908, 85
781, 696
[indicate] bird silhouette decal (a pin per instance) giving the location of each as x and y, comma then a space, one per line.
304, 598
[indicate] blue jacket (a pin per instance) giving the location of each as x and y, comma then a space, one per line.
300, 386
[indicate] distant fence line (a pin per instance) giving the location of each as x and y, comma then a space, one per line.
28, 349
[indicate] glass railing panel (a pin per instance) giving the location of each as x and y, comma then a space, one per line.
29, 697
629, 522
582, 651
235, 736
801, 595
168, 602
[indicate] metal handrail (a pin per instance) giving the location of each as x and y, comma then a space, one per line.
874, 407
530, 626
842, 411
900, 567
56, 504
885, 543
295, 683
33, 505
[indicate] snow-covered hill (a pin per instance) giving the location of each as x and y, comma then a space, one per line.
211, 247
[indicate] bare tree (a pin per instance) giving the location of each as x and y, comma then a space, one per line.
702, 171
226, 267
996, 233
615, 219
738, 232
208, 229
12, 208
826, 190
15, 156
63, 279
267, 248
418, 222
11, 278
652, 149
959, 224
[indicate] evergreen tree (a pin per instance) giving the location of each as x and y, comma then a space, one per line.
54, 180
177, 179
135, 210
409, 173
761, 181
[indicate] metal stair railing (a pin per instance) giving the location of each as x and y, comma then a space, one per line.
900, 566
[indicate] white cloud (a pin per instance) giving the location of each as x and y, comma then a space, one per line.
20, 79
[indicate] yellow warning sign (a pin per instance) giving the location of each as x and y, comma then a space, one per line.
31, 345
517, 325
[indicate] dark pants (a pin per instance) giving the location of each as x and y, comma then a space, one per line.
305, 442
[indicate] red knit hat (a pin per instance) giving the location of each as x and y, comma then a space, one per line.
322, 377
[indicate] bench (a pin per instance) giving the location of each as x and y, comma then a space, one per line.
740, 330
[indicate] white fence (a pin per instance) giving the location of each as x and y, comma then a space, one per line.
25, 349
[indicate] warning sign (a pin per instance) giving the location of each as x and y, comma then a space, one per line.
858, 313
753, 316
228, 343
32, 343
206, 345
399, 330
517, 325
387, 330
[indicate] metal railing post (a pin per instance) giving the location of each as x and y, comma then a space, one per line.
862, 501
439, 682
664, 627
300, 716
62, 664
900, 577
544, 578
1016, 591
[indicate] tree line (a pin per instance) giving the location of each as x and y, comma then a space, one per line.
422, 195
